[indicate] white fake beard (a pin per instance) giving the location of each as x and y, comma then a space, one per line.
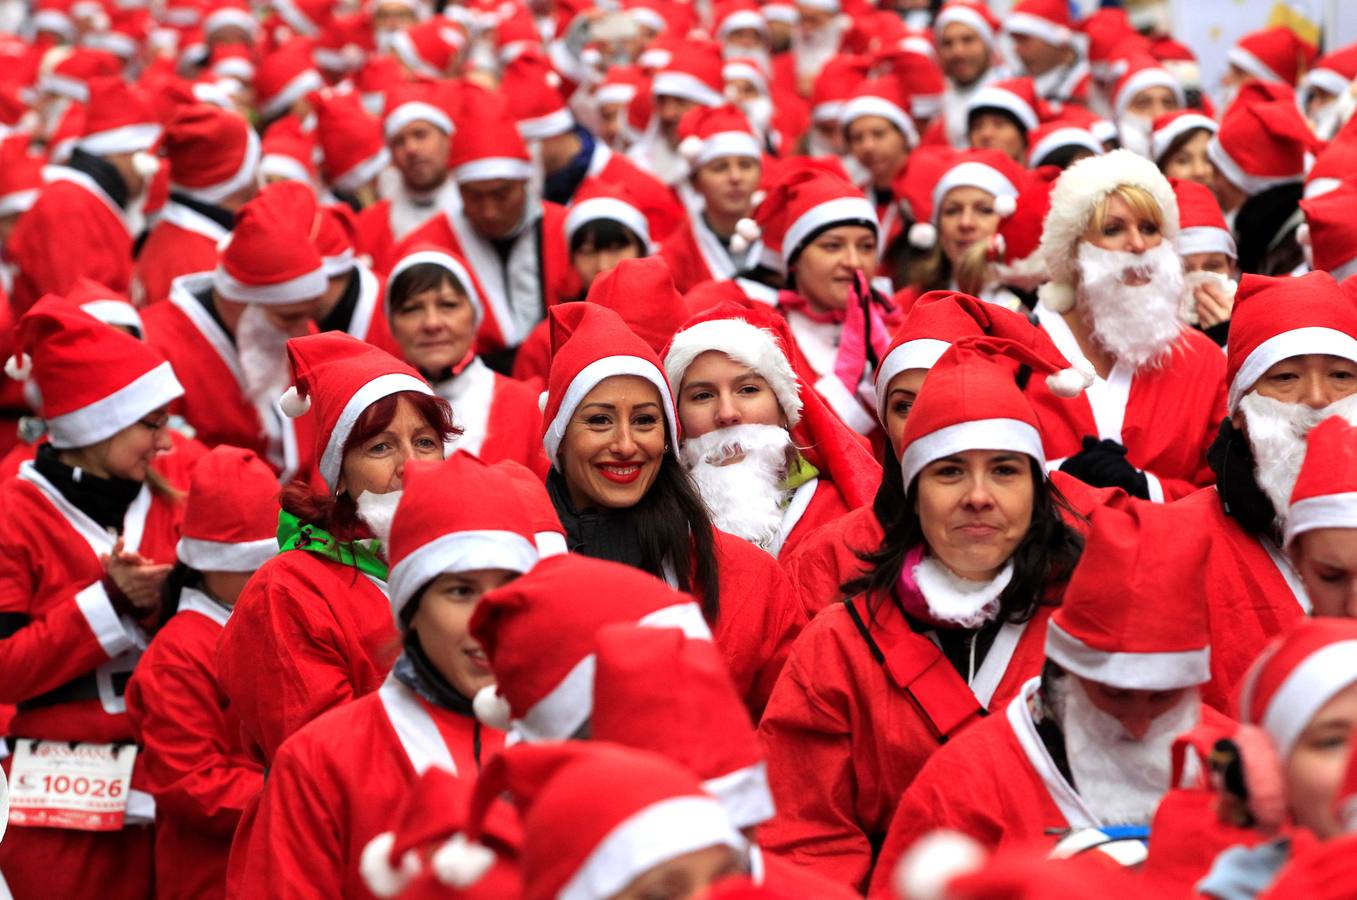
1136, 324
377, 511
1120, 779
262, 348
951, 598
743, 497
1187, 310
1136, 134
1277, 433
759, 111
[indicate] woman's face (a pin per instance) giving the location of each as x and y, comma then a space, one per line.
377, 464
441, 621
129, 453
1190, 162
1326, 559
683, 877
879, 146
826, 268
900, 396
727, 184
1316, 766
591, 261
966, 215
434, 328
975, 507
1124, 229
718, 392
614, 444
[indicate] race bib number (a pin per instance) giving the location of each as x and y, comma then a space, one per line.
57, 784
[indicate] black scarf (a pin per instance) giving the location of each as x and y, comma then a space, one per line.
204, 298
416, 671
341, 316
104, 174
225, 218
1257, 226
105, 500
1231, 459
603, 534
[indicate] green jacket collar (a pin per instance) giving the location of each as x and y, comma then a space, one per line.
294, 535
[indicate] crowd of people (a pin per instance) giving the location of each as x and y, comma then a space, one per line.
666, 449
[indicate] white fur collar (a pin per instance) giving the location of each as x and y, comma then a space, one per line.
952, 598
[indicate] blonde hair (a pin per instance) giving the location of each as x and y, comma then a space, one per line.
1141, 201
929, 271
973, 270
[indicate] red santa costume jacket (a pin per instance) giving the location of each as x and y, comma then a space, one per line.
64, 634
815, 504
845, 733
996, 783
182, 242
538, 268
1166, 417
195, 767
498, 416
369, 322
696, 255
74, 228
335, 785
662, 209
205, 360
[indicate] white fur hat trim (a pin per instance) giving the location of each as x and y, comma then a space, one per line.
742, 342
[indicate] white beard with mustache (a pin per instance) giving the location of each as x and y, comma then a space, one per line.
262, 349
1277, 432
1137, 324
744, 497
1136, 134
1120, 779
377, 511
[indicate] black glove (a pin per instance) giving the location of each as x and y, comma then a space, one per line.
1104, 464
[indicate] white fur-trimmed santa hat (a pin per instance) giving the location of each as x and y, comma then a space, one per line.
213, 153
1079, 191
1047, 20
1173, 125
269, 257
711, 132
717, 329
1295, 676
231, 515
1202, 224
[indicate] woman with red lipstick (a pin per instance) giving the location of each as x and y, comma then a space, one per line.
612, 436
458, 532
947, 623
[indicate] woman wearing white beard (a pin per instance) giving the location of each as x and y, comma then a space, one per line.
1111, 307
770, 462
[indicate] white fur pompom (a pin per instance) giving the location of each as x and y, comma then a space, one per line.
375, 866
757, 197
937, 858
1056, 296
293, 403
690, 147
542, 399
491, 709
459, 863
19, 367
738, 244
591, 56
749, 230
553, 80
923, 235
1005, 205
1303, 234
1068, 382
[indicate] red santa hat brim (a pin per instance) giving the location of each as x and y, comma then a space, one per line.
493, 168
221, 556
1037, 27
916, 354
744, 343
961, 14
841, 209
295, 290
1328, 511
112, 413
115, 312
1296, 342
589, 378
1165, 671
304, 83
981, 434
376, 389
460, 551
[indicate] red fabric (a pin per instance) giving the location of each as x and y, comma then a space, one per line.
195, 766
828, 556
664, 214
94, 242
827, 506
170, 251
782, 878
375, 238
844, 740
1320, 871
336, 785
54, 862
532, 363
515, 423
685, 261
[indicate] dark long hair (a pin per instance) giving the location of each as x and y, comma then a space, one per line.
1046, 554
672, 525
181, 576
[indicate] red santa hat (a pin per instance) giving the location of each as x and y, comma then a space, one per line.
1015, 246
1275, 53
532, 90
54, 16
747, 69
711, 132
590, 343
94, 380
1325, 495
1278, 318
548, 533
973, 402
20, 176
212, 153
1262, 145
885, 98
1059, 134
117, 120
1015, 96
915, 63
837, 81
1142, 73
413, 101
488, 144
105, 304
337, 377
595, 817
71, 76
620, 86
334, 231
285, 76
1295, 675
231, 515
597, 200
1080, 190
308, 18
431, 254
1334, 164
808, 198
656, 689
232, 61
695, 75
780, 11
737, 15
988, 170
456, 516
353, 151
1047, 20
288, 152
1333, 73
345, 45
269, 257
971, 13
1332, 233
229, 14
538, 632
1202, 224
1136, 633
1173, 125
642, 292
